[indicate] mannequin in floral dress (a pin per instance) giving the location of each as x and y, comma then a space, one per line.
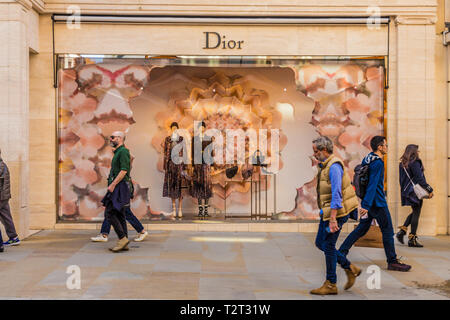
173, 172
201, 187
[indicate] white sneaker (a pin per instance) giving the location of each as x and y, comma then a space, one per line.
141, 236
180, 214
99, 238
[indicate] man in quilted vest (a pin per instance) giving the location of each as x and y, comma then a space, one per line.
5, 211
336, 199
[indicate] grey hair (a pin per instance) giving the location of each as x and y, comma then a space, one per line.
324, 143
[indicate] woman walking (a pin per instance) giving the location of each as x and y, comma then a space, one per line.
411, 171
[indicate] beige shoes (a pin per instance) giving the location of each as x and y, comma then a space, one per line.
326, 288
352, 273
121, 245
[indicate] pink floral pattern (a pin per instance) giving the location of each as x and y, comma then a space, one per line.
94, 102
349, 109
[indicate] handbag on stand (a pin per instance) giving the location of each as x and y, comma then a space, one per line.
420, 192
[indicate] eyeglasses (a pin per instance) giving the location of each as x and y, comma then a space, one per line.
112, 137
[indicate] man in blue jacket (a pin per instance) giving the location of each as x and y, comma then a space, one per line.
374, 206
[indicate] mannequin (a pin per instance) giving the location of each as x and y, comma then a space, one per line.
201, 187
173, 172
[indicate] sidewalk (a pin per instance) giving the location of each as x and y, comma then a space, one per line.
210, 265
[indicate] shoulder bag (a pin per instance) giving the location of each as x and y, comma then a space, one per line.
420, 192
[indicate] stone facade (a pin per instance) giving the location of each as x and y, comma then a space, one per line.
417, 106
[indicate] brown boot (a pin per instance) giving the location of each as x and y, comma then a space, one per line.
351, 273
121, 245
326, 288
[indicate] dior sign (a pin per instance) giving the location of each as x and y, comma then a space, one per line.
214, 40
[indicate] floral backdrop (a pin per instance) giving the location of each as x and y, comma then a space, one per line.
343, 100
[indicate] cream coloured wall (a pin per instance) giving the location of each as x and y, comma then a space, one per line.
42, 123
15, 39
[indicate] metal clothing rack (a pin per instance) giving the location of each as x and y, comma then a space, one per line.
256, 211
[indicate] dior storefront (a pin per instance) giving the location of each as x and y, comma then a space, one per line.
279, 83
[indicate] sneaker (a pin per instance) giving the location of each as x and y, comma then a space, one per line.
141, 236
12, 242
398, 266
2, 249
100, 238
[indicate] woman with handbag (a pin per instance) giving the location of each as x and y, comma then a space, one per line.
414, 188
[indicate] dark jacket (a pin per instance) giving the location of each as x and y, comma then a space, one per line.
375, 195
5, 184
118, 198
415, 171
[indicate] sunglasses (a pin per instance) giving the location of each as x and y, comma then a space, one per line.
112, 137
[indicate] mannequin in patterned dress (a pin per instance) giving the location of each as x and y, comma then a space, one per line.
201, 186
173, 172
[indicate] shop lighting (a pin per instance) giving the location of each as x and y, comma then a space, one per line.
195, 20
286, 110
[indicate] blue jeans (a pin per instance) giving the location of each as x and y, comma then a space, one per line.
129, 216
326, 242
383, 217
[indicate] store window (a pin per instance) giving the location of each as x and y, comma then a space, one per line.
284, 102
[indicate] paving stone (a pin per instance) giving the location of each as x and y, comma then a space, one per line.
175, 265
120, 275
97, 291
90, 259
210, 265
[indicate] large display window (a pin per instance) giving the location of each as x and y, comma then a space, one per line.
282, 102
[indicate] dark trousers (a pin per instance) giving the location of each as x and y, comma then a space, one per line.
413, 218
326, 242
129, 216
383, 217
117, 220
5, 217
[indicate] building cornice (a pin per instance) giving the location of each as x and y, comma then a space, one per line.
38, 5
233, 8
415, 20
25, 3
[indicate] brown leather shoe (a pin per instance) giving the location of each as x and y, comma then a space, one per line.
326, 288
121, 245
351, 273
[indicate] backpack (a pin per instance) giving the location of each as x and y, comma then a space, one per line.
361, 179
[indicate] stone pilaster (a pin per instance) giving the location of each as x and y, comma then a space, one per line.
14, 100
417, 119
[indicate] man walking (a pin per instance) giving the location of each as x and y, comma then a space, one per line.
374, 206
129, 216
336, 199
118, 195
5, 211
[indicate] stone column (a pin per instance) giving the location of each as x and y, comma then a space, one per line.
416, 116
14, 92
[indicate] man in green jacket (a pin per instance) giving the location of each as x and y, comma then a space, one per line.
119, 193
